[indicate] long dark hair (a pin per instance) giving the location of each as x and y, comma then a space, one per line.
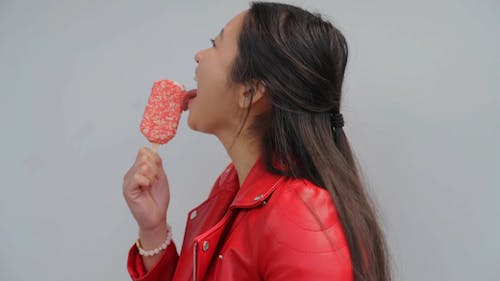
300, 58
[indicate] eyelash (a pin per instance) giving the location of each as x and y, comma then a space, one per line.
213, 42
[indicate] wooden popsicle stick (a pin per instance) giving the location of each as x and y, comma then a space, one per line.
155, 147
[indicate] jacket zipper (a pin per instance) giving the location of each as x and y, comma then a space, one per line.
195, 248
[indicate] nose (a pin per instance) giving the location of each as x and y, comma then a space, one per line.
197, 56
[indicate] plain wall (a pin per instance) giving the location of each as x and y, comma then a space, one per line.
422, 111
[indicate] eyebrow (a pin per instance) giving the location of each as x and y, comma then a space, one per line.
222, 34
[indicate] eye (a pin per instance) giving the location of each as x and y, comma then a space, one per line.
213, 42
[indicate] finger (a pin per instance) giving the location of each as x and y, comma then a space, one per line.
141, 180
148, 170
157, 159
150, 155
144, 156
140, 153
145, 153
149, 151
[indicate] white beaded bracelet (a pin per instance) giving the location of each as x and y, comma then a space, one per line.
163, 246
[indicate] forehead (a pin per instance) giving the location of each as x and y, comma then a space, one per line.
233, 27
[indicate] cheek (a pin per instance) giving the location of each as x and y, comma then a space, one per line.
212, 111
214, 71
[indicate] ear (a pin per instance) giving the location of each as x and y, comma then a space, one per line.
251, 94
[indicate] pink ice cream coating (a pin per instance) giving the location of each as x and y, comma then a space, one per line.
163, 111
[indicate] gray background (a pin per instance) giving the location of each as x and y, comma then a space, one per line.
422, 112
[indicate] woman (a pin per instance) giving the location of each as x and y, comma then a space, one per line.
291, 205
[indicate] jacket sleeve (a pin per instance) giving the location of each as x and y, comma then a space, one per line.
163, 270
304, 239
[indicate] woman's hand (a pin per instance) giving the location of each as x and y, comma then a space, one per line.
146, 191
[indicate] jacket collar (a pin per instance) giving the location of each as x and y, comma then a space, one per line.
257, 186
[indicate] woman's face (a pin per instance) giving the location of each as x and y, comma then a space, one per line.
215, 109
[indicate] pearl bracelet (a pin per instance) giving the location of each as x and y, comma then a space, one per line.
163, 246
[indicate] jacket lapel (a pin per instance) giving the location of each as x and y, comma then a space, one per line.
256, 189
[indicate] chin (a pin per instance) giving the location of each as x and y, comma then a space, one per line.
196, 127
190, 122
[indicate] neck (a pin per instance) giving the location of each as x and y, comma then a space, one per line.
243, 152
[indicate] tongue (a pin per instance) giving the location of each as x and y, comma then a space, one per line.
189, 95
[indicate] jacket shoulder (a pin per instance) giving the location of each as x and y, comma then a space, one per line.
303, 217
303, 238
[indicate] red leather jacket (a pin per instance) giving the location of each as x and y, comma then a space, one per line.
272, 228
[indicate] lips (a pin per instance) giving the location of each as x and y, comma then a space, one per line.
191, 94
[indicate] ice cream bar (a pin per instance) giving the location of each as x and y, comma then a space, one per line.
163, 111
